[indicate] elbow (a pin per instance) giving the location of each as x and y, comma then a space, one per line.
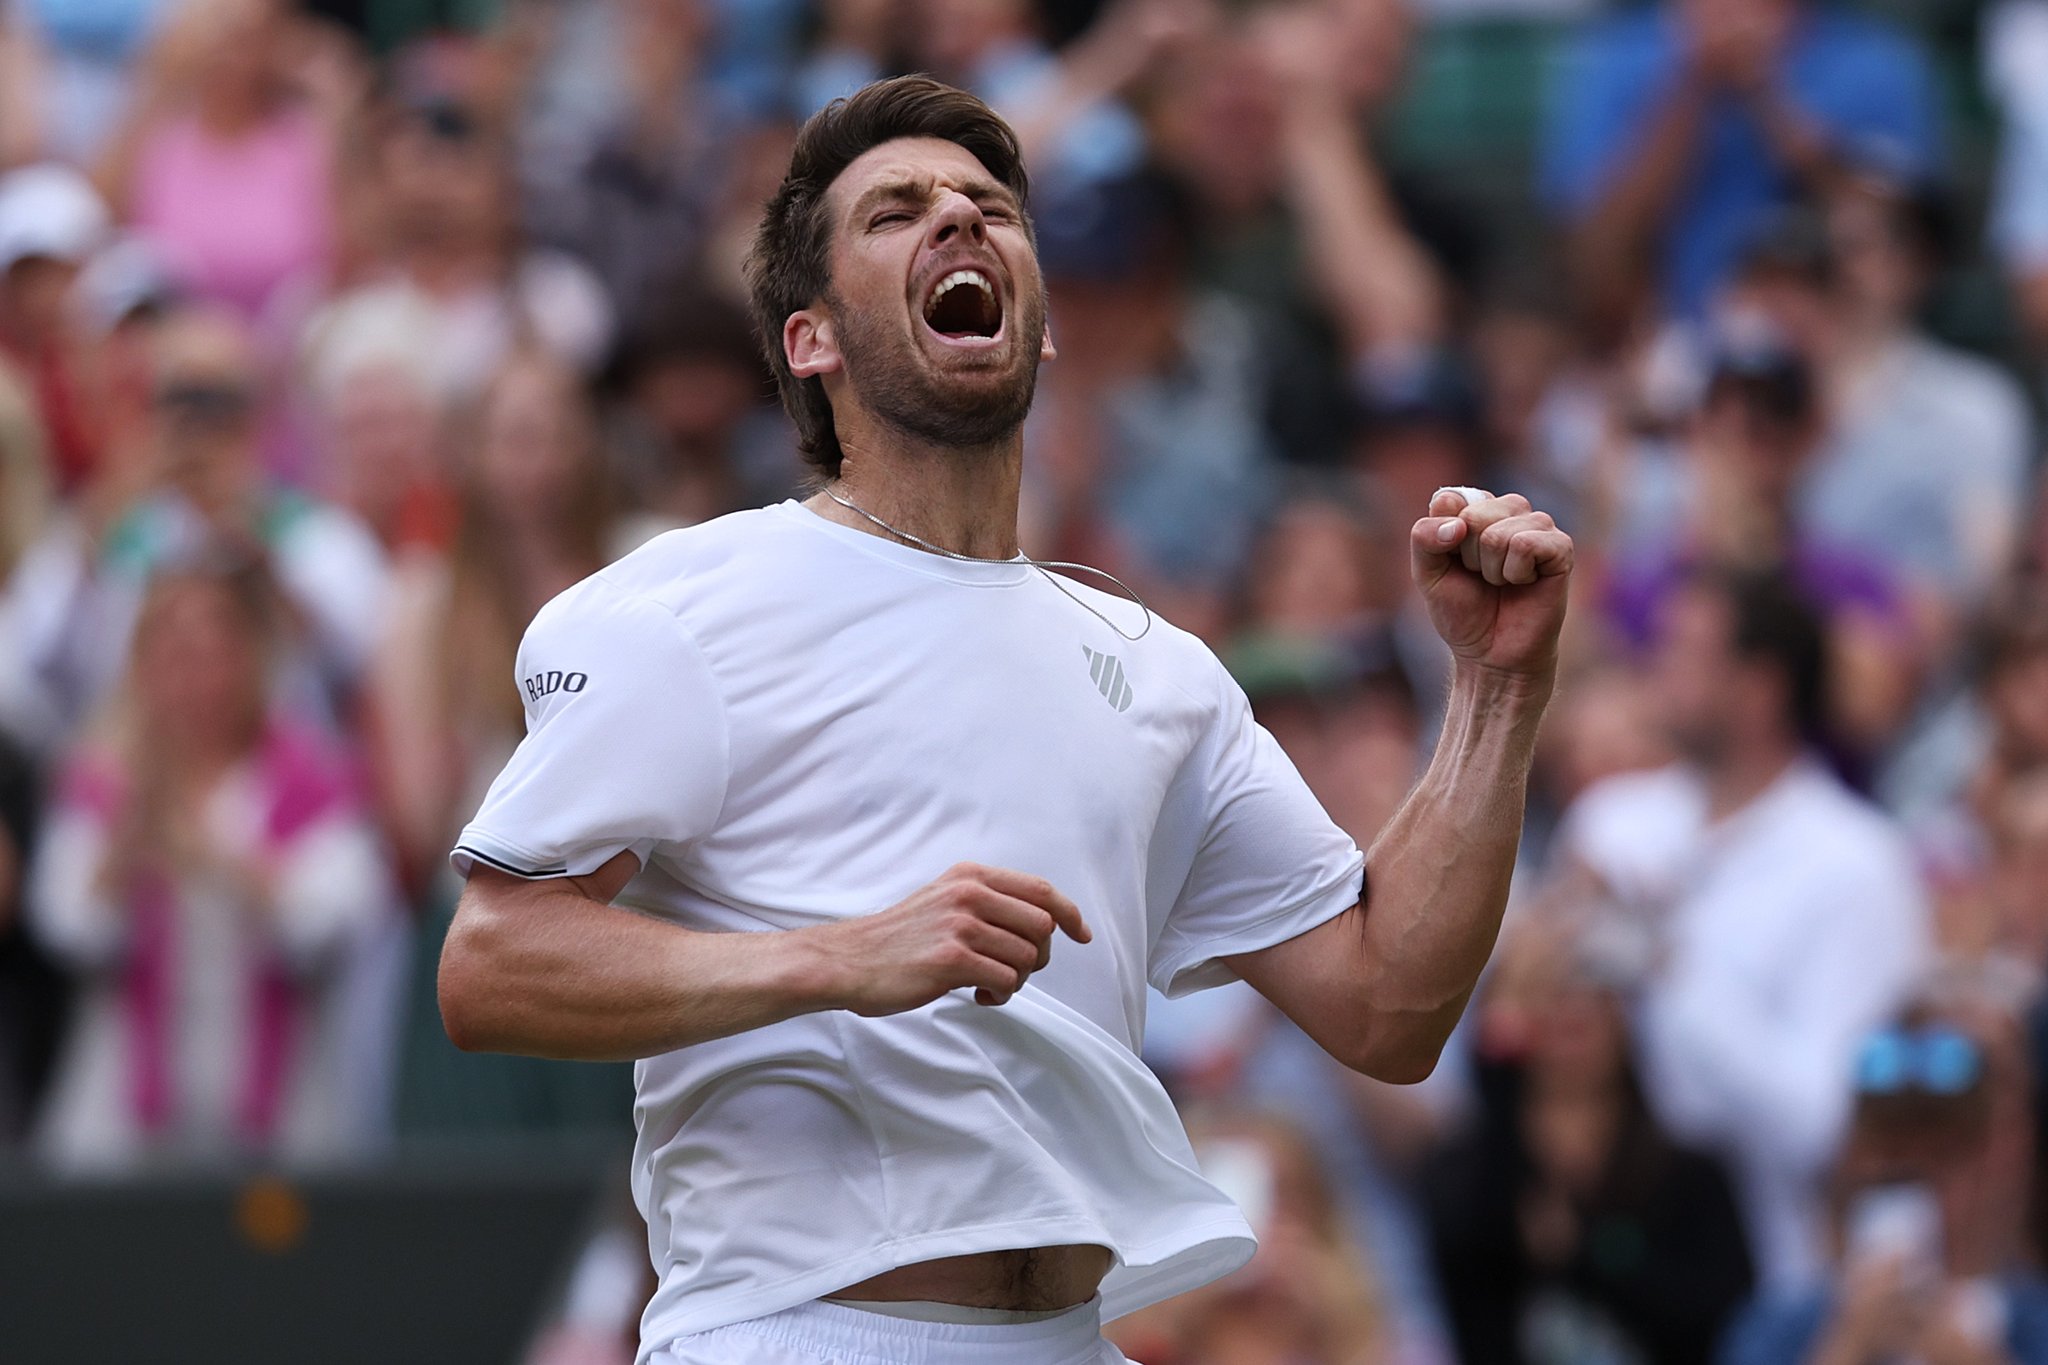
462, 988
1398, 1051
1407, 1065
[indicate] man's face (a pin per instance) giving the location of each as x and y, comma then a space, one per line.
936, 312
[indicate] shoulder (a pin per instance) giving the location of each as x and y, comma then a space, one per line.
675, 568
649, 595
1163, 650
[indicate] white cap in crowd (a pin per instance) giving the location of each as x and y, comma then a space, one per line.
49, 211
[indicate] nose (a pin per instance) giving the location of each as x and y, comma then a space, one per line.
958, 216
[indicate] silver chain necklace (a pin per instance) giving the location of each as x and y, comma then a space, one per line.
1044, 567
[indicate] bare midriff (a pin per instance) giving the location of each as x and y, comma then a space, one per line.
1027, 1280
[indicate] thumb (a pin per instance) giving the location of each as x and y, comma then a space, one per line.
1433, 545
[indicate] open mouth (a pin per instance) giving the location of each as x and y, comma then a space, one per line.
963, 306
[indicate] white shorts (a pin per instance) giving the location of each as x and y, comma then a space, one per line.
819, 1333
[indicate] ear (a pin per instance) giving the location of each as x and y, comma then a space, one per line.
1045, 350
810, 343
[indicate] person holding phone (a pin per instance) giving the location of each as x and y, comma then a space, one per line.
1929, 1202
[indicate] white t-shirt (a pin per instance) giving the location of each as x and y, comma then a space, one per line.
791, 722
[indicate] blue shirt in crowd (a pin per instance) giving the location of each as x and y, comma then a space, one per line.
1785, 1329
1865, 85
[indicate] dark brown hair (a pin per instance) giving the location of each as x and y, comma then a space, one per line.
790, 266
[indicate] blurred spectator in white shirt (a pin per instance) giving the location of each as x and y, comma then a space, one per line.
72, 602
1783, 915
445, 256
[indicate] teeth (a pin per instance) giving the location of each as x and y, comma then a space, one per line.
958, 277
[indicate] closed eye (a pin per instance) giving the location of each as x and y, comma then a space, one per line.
893, 216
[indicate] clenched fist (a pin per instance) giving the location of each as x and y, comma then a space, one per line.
1494, 573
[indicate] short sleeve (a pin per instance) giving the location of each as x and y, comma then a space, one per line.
1268, 864
625, 746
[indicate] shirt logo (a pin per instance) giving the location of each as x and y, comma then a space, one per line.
553, 681
1108, 672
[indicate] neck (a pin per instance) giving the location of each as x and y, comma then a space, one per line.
1744, 774
1867, 337
960, 500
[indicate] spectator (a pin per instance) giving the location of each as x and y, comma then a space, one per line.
1928, 1209
1925, 471
1150, 454
534, 520
211, 874
1064, 106
1567, 1225
1787, 915
72, 73
74, 600
447, 263
226, 161
689, 435
51, 221
1260, 117
1674, 129
383, 428
855, 41
629, 187
1731, 492
1308, 1296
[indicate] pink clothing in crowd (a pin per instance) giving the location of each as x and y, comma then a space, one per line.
237, 219
211, 1025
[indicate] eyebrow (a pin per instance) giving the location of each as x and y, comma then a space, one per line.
908, 190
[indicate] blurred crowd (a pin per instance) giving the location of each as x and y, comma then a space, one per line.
337, 337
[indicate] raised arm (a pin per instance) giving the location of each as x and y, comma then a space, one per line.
1383, 289
551, 968
1382, 985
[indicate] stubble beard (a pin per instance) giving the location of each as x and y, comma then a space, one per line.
904, 395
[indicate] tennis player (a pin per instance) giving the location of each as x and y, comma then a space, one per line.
864, 834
